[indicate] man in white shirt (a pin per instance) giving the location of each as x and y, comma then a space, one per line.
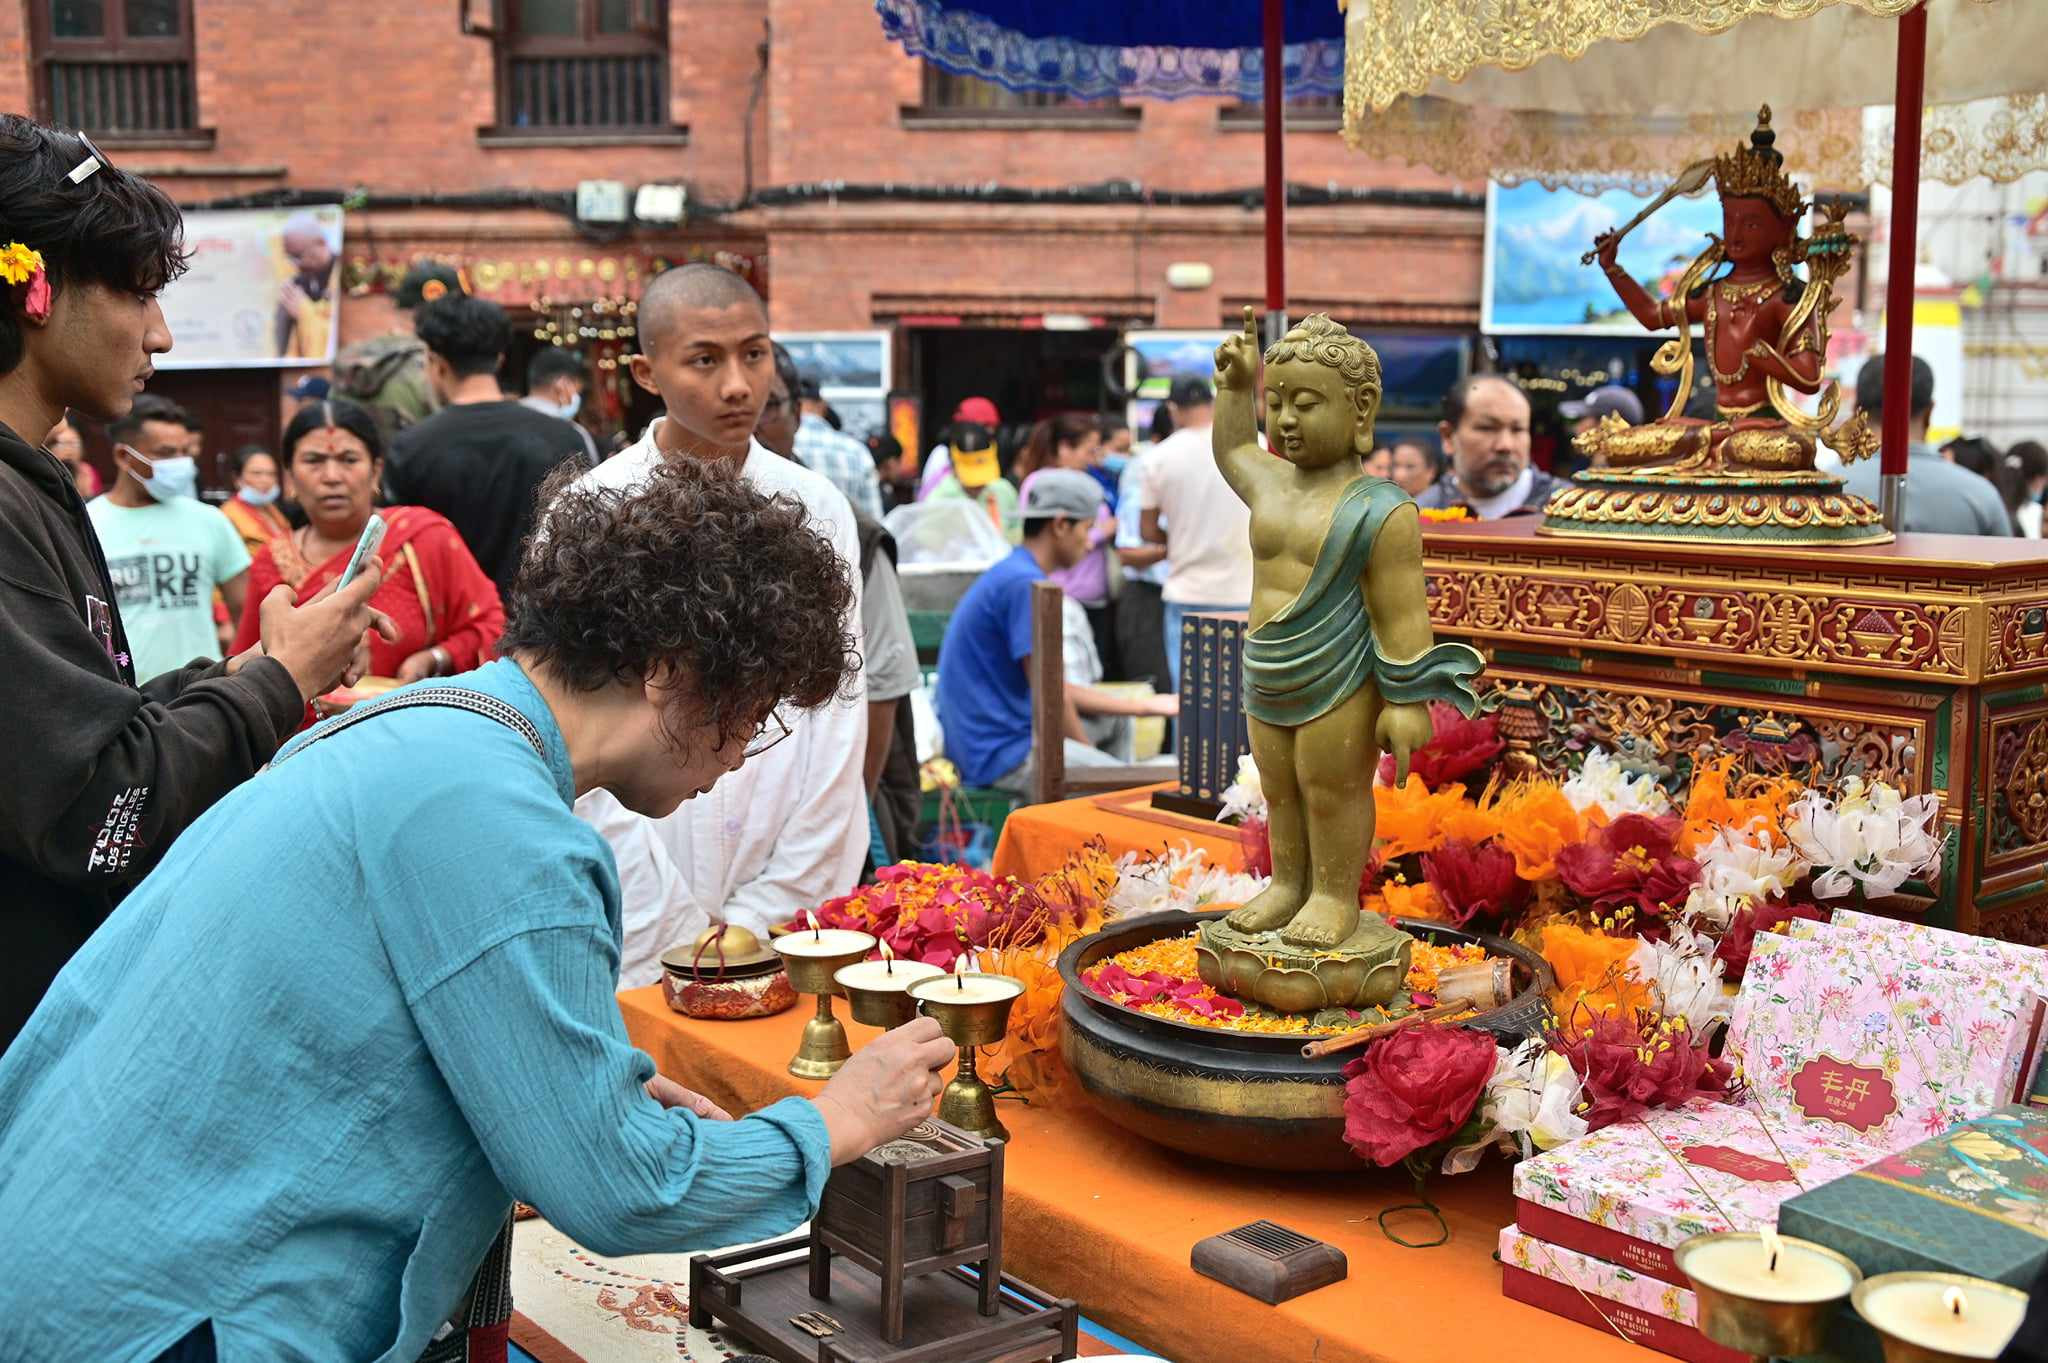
1209, 554
788, 830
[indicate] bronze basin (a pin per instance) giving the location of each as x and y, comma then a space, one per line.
1241, 1098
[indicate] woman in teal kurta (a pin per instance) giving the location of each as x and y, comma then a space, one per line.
288, 1091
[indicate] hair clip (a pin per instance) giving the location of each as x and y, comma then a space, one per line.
95, 161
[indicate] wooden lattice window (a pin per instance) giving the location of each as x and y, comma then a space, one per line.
570, 66
115, 68
947, 92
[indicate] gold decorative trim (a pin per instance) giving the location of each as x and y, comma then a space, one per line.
1827, 619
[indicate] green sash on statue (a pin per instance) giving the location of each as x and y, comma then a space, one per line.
1310, 658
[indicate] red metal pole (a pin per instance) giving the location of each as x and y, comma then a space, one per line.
1898, 307
1276, 166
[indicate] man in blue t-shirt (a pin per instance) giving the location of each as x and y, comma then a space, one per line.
984, 696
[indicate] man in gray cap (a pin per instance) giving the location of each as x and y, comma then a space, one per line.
984, 694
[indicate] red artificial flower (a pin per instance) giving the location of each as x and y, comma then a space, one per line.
1475, 881
1630, 863
1255, 837
1257, 840
1632, 1063
1457, 748
1413, 1089
1740, 938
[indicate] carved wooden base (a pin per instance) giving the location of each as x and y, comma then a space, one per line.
1762, 508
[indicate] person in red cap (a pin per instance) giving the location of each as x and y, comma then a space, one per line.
970, 412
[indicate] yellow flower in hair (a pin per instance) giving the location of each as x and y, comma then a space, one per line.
18, 264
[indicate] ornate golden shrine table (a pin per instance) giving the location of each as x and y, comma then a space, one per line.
1924, 662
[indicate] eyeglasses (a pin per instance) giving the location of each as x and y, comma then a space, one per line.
773, 731
95, 161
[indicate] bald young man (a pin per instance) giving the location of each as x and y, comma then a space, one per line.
788, 830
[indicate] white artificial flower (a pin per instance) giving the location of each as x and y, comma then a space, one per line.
1245, 797
1684, 979
1526, 1106
1176, 879
1742, 867
1602, 781
1531, 1097
1871, 836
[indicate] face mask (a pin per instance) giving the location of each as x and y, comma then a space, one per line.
567, 410
1116, 463
255, 498
170, 478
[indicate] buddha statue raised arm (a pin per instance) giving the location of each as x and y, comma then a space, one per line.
1339, 660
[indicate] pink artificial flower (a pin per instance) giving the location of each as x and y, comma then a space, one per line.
37, 302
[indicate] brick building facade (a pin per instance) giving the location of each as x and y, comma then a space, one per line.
463, 136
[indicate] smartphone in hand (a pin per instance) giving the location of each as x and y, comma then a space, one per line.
366, 548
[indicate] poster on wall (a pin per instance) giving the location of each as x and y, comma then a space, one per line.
851, 369
1534, 283
261, 291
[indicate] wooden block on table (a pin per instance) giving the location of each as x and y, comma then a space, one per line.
1269, 1261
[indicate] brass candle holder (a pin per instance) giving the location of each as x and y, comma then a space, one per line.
878, 992
812, 958
1997, 1308
1759, 1326
976, 1018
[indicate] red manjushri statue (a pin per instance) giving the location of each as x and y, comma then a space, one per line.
1761, 293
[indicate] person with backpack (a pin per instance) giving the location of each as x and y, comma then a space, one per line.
388, 374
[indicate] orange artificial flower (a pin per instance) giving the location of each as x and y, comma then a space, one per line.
1709, 807
1536, 823
1412, 901
1029, 1054
1471, 822
1410, 818
1592, 971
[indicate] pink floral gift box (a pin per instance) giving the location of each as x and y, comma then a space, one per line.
1632, 1192
1891, 1048
1606, 1297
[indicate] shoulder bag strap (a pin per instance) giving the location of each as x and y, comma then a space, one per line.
451, 697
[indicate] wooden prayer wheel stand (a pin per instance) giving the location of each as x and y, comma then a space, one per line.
882, 1278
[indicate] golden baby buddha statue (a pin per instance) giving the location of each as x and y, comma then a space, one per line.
1338, 663
1747, 474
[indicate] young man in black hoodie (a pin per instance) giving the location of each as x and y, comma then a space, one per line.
102, 773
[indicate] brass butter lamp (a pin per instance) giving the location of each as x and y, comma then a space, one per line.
1763, 1294
1940, 1317
813, 955
879, 991
972, 1009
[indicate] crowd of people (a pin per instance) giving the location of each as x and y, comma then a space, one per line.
666, 690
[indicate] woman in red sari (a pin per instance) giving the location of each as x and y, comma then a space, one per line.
446, 609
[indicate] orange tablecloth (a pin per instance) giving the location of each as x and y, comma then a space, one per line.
1099, 1215
1037, 838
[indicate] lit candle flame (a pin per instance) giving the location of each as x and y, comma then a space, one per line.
1953, 1301
960, 972
1773, 1246
888, 959
817, 933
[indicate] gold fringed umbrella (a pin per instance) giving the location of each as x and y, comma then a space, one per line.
1591, 93
1567, 91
